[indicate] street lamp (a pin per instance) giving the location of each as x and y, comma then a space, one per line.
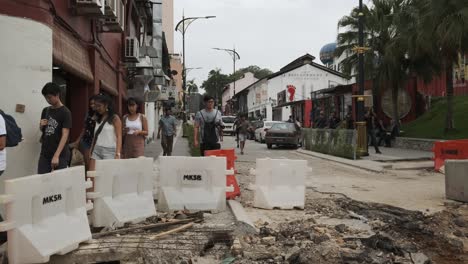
361, 122
235, 56
182, 27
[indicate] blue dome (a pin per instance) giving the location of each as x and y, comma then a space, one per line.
327, 53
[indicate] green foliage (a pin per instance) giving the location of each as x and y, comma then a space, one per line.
336, 142
258, 72
430, 125
188, 131
406, 37
192, 87
215, 84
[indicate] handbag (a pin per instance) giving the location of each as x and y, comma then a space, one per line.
96, 135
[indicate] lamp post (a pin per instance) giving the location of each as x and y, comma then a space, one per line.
182, 27
235, 56
361, 122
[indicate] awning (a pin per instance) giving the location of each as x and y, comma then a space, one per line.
71, 55
108, 77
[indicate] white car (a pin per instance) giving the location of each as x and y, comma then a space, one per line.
229, 124
261, 131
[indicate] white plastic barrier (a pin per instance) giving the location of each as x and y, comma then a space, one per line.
123, 192
280, 183
193, 183
46, 215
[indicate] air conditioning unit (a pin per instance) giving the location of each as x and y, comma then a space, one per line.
111, 8
90, 7
132, 49
115, 23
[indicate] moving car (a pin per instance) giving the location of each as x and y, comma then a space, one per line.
283, 134
229, 124
261, 130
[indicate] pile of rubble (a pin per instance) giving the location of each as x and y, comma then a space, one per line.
342, 230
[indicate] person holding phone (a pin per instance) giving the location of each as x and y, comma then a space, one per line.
55, 124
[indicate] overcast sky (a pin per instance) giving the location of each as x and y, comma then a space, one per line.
267, 33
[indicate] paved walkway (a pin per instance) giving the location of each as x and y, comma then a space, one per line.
180, 148
392, 154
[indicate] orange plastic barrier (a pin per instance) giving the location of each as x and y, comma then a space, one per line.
231, 157
452, 149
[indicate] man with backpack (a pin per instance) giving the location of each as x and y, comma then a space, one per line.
55, 124
208, 129
10, 136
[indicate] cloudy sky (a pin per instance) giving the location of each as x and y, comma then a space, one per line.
267, 33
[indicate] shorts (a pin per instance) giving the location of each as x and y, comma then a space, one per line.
84, 145
45, 166
1, 172
103, 153
204, 147
242, 137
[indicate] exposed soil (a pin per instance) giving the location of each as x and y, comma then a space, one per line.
334, 228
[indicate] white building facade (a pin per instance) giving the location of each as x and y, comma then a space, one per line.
241, 84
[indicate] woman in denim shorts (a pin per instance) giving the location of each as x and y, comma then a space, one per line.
85, 140
108, 132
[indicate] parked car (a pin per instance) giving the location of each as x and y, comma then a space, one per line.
229, 124
283, 134
261, 130
255, 125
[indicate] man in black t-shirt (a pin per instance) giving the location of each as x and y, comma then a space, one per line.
55, 125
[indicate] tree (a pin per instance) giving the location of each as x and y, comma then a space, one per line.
444, 33
215, 84
385, 63
192, 87
258, 72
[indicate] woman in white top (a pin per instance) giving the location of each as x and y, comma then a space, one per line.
107, 142
135, 131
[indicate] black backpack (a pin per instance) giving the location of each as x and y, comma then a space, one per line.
13, 136
209, 130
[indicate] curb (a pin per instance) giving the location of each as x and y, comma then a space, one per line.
239, 213
360, 164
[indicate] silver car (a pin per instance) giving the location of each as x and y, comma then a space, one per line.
260, 132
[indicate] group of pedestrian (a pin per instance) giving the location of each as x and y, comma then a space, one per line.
323, 123
104, 136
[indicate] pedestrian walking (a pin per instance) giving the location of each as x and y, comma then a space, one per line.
107, 142
84, 141
135, 131
244, 128
168, 127
236, 129
208, 129
55, 124
371, 122
3, 135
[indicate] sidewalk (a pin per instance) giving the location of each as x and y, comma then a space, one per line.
180, 148
391, 158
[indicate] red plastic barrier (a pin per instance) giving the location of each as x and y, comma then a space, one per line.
452, 149
231, 157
